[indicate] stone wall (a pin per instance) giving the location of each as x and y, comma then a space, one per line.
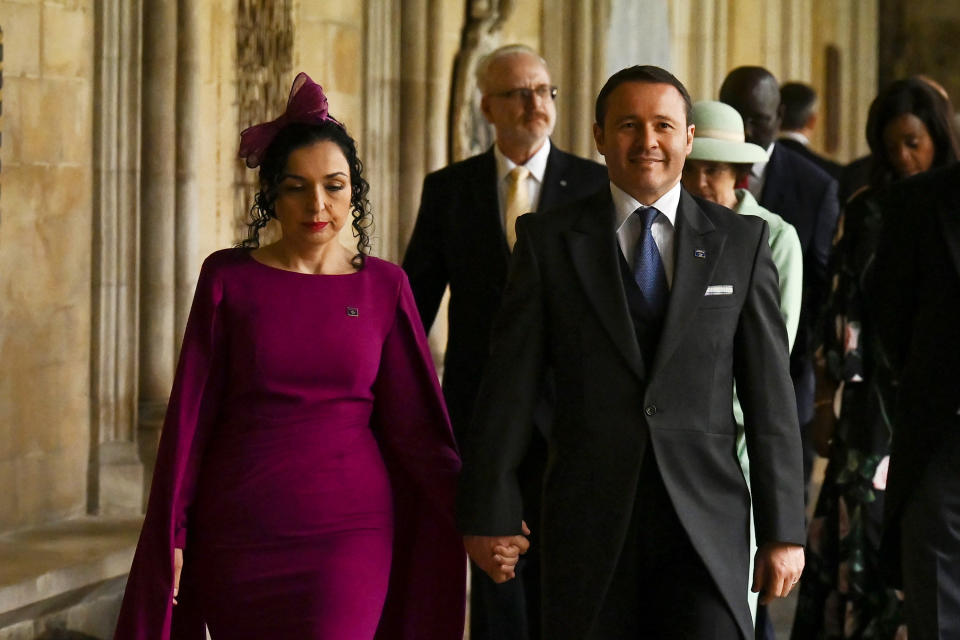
790, 38
921, 36
45, 237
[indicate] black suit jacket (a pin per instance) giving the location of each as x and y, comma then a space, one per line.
832, 168
854, 177
806, 197
459, 240
914, 289
565, 308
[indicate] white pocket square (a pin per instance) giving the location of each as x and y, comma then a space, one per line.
719, 290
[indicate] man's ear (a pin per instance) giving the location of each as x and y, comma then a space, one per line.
690, 129
485, 109
598, 137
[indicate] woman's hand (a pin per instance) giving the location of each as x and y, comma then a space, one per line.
497, 556
177, 568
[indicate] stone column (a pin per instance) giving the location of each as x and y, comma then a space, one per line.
699, 45
796, 44
413, 105
423, 115
574, 35
115, 474
157, 214
381, 151
864, 51
624, 48
437, 99
188, 160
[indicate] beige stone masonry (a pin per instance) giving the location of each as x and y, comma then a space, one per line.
50, 568
66, 40
45, 238
21, 55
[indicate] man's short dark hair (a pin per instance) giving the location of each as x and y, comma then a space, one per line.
639, 73
799, 103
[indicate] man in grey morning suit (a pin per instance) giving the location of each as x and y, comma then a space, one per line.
462, 238
647, 303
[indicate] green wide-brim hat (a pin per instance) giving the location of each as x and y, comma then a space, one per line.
718, 135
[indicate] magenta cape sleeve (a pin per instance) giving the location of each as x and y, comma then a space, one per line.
426, 596
147, 610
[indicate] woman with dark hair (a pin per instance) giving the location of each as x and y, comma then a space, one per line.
305, 479
842, 591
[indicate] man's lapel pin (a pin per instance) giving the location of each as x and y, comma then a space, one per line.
353, 312
699, 253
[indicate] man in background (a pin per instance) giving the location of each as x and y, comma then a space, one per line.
804, 195
463, 238
800, 116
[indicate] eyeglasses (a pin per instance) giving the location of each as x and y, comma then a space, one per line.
542, 91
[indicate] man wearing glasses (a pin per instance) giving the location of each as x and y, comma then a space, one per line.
463, 238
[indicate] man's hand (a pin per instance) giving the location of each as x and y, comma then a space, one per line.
498, 555
777, 569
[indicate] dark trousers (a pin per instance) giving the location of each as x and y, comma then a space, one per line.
930, 548
499, 611
661, 589
511, 611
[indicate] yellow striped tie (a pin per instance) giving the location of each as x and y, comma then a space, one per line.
518, 201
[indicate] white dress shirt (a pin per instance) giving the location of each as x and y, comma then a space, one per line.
630, 227
795, 135
758, 173
536, 165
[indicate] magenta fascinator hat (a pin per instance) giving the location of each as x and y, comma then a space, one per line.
306, 105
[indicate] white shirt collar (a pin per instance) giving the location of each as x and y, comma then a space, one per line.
758, 167
624, 204
796, 135
537, 164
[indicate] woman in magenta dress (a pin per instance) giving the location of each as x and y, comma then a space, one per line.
306, 472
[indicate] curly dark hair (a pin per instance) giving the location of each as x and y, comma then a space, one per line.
911, 95
296, 136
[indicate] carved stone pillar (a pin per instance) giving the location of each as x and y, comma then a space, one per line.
574, 36
264, 32
413, 105
624, 48
698, 34
470, 133
381, 148
158, 216
188, 161
796, 43
865, 50
115, 474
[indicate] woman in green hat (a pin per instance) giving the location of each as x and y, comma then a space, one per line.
719, 160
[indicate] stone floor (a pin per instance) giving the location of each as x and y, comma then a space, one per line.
65, 576
70, 575
781, 612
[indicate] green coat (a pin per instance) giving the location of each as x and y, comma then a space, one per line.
788, 257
